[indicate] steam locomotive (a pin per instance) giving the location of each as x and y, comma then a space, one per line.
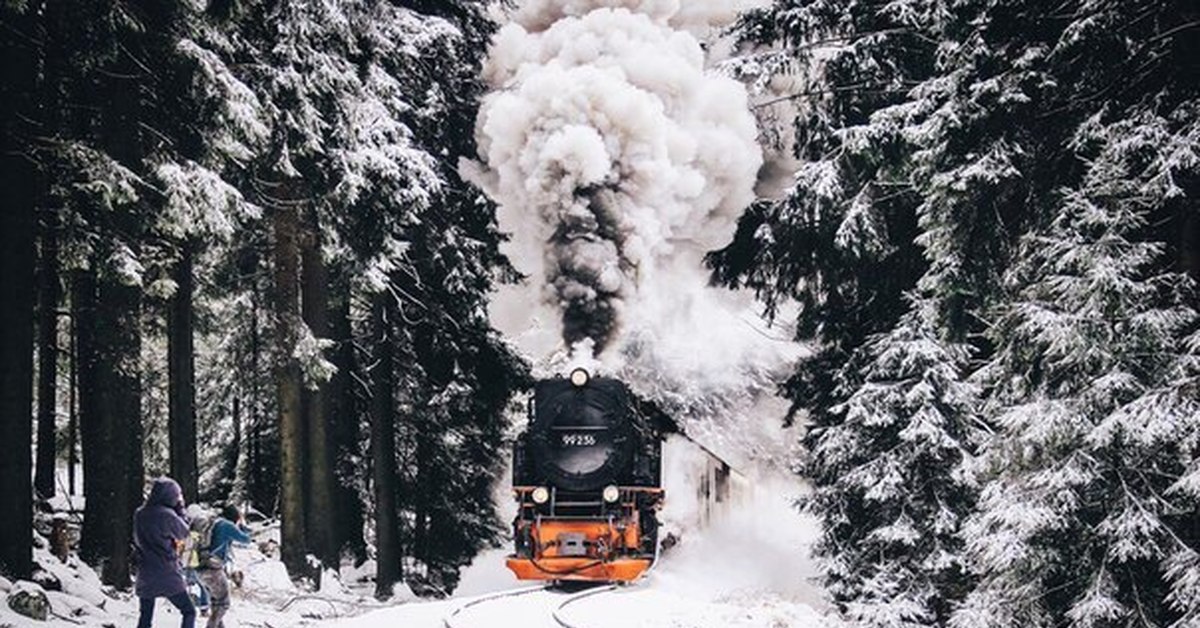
587, 477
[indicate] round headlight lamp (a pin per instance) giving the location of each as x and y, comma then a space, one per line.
612, 494
541, 495
580, 378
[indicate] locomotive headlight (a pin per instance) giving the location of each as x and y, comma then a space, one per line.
612, 494
580, 378
541, 495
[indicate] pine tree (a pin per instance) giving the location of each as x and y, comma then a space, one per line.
841, 242
892, 420
890, 483
49, 291
1082, 518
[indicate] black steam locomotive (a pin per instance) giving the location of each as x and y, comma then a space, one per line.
587, 476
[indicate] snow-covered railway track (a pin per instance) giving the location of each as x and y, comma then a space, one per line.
539, 607
453, 620
558, 611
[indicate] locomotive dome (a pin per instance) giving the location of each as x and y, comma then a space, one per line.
582, 435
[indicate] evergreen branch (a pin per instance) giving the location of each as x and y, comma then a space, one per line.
840, 89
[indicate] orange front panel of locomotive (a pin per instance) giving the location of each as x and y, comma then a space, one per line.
579, 569
601, 537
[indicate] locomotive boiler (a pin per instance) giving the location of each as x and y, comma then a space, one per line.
587, 477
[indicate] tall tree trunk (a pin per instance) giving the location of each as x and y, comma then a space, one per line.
254, 479
383, 451
16, 369
320, 520
229, 465
343, 414
18, 181
293, 545
1189, 238
118, 398
16, 358
94, 538
117, 395
73, 410
49, 291
181, 358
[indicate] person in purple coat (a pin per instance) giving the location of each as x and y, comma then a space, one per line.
159, 530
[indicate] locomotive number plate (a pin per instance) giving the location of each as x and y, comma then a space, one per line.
578, 440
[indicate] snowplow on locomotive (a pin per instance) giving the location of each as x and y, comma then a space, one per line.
587, 477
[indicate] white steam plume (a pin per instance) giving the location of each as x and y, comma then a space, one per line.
618, 160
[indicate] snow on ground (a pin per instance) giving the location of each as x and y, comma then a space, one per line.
750, 569
266, 599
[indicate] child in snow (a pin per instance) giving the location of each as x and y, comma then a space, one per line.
158, 533
225, 531
195, 513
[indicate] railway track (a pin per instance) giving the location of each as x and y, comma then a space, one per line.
452, 620
457, 618
558, 611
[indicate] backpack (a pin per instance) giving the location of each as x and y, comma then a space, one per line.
199, 547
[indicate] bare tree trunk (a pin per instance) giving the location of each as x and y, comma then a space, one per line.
229, 466
94, 540
383, 452
16, 357
293, 540
49, 291
254, 480
343, 414
118, 399
1189, 238
320, 520
16, 377
117, 394
181, 369
73, 410
19, 185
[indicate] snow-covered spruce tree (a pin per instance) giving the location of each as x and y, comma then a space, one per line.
891, 488
452, 417
841, 241
366, 108
1085, 514
891, 418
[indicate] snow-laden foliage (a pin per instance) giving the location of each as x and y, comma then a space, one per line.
172, 138
1030, 171
356, 113
890, 477
1094, 395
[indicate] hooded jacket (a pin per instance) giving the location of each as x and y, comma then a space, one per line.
157, 526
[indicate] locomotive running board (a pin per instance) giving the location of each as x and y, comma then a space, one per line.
586, 569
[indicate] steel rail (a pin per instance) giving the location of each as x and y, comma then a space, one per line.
448, 620
578, 597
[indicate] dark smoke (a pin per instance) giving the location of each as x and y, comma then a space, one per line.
586, 268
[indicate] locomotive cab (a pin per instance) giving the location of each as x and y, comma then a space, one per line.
587, 480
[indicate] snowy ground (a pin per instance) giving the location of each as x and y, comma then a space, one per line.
750, 570
266, 599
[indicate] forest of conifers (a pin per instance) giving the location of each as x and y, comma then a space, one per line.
238, 250
227, 224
